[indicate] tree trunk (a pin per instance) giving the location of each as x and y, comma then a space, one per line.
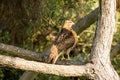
102, 42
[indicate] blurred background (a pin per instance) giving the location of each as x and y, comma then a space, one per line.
34, 24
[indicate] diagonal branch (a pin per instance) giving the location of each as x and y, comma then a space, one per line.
86, 21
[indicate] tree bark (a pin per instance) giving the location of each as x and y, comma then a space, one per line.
60, 70
102, 42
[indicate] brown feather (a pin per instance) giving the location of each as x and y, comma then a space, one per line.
66, 40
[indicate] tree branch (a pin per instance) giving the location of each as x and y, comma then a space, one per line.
86, 21
60, 70
100, 53
27, 54
21, 52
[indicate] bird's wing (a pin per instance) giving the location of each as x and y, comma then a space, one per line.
65, 40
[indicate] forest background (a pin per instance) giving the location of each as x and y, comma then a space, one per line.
33, 25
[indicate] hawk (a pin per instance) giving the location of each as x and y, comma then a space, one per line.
65, 41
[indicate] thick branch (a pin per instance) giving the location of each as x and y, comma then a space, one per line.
60, 70
86, 21
100, 54
89, 19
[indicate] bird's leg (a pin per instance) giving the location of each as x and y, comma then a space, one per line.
65, 55
68, 54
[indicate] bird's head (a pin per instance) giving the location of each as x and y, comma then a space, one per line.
68, 24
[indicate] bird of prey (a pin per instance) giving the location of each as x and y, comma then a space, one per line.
65, 41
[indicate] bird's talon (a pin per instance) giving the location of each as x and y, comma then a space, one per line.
65, 59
